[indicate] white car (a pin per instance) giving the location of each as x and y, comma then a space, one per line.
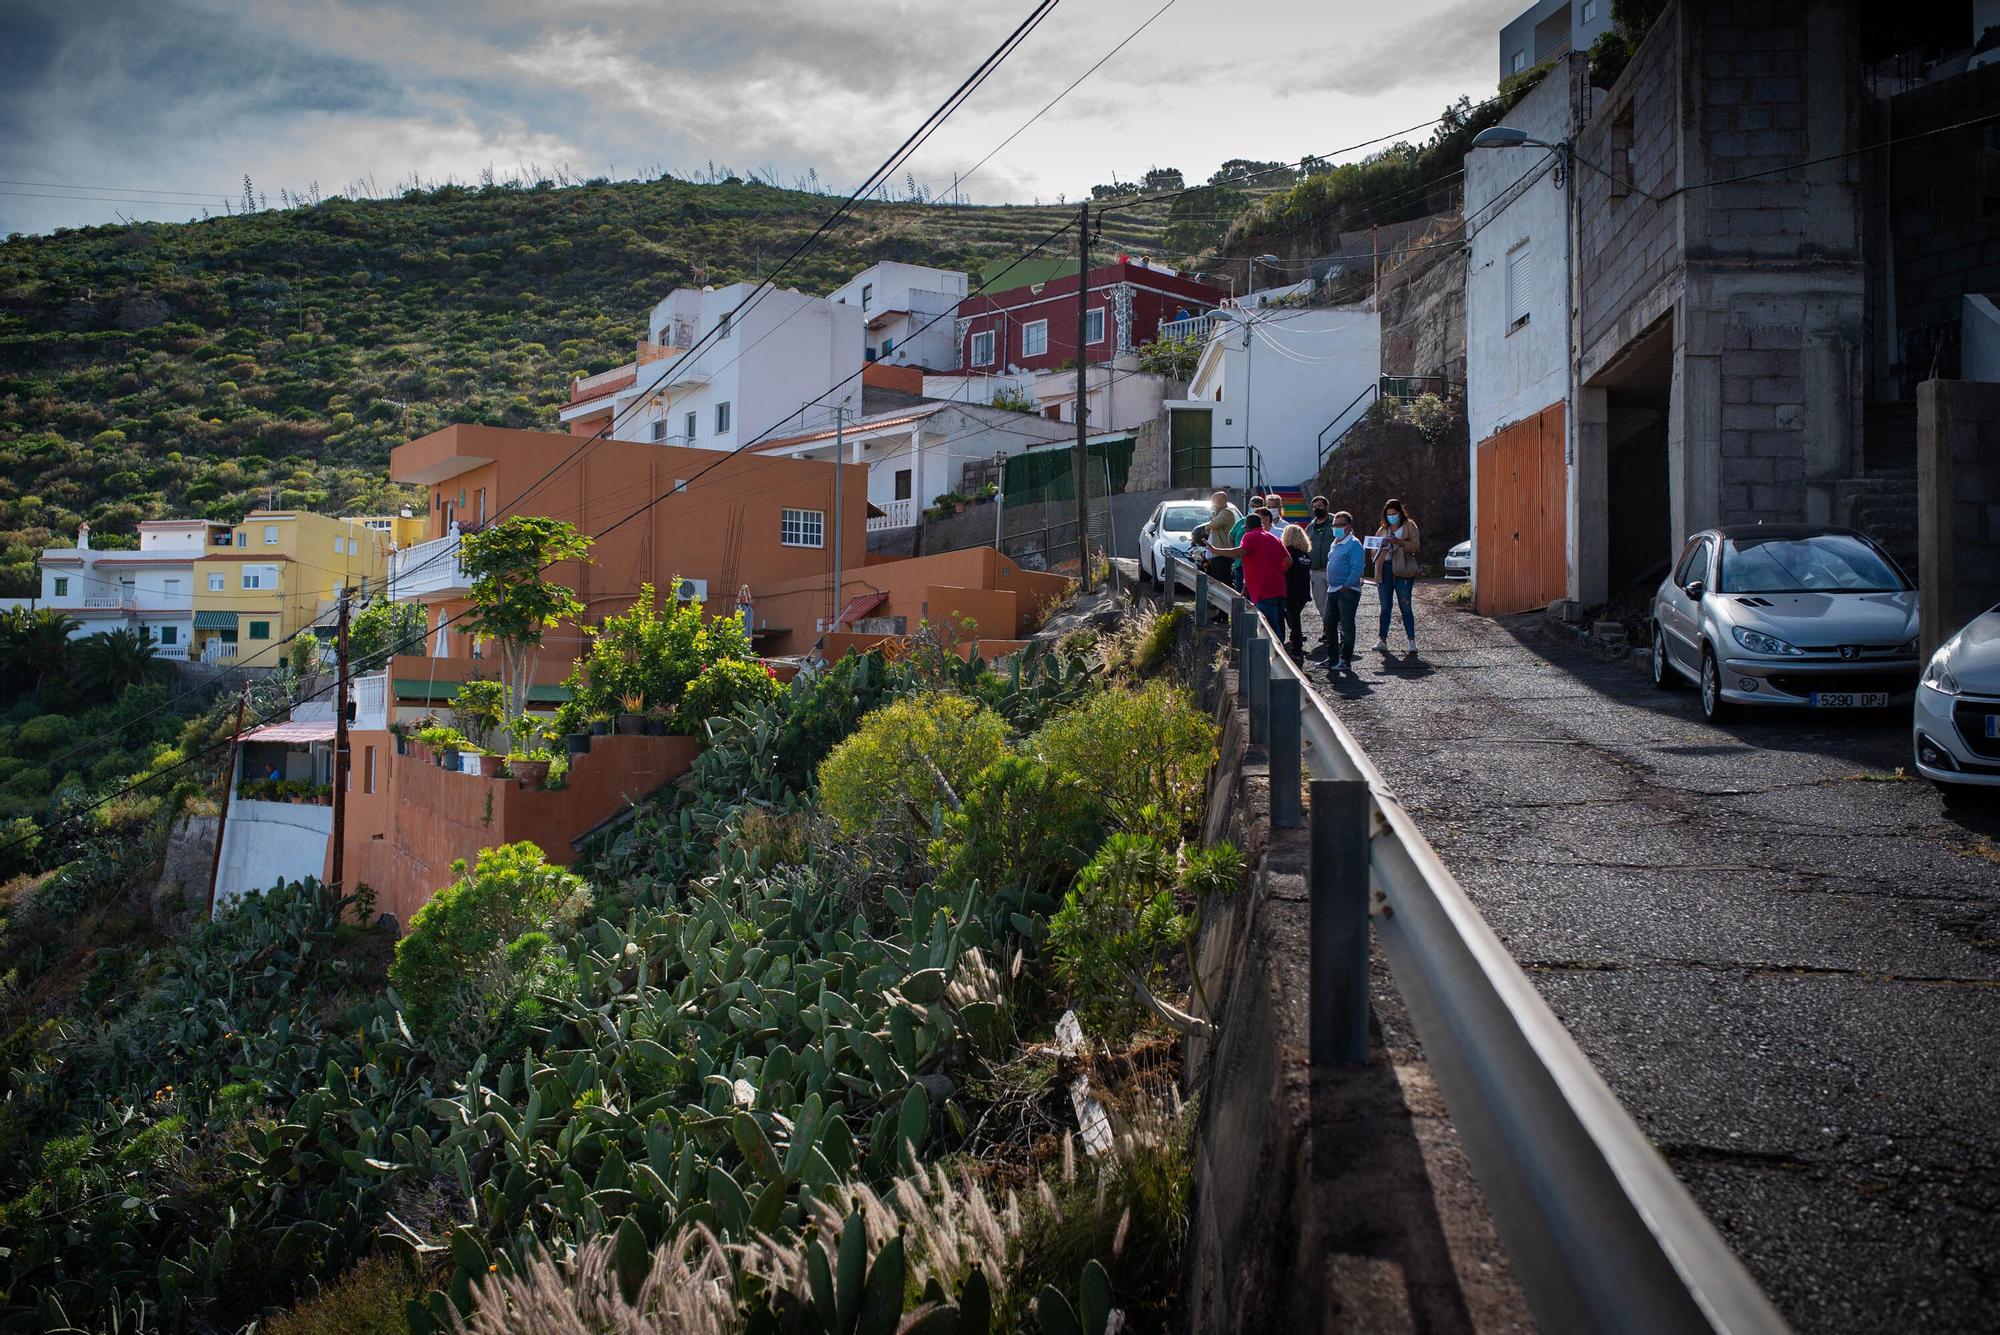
1956, 735
1458, 561
1168, 533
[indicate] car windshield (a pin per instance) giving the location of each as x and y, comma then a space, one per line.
1822, 563
1181, 518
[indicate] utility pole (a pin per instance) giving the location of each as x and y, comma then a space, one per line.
1081, 465
228, 791
340, 766
839, 467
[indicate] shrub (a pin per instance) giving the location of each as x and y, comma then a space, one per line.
480, 708
1136, 749
1112, 927
825, 707
722, 688
886, 775
463, 936
367, 1300
1024, 831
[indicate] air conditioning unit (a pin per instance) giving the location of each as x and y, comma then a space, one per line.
692, 590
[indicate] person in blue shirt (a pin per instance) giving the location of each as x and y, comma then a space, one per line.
1345, 562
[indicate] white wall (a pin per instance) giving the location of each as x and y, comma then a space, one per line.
1512, 373
927, 337
265, 842
1979, 340
1281, 381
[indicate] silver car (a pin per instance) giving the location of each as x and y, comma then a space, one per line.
1790, 615
1168, 533
1956, 729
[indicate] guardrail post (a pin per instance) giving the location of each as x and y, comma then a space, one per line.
1257, 682
1338, 881
1202, 611
1284, 730
1240, 614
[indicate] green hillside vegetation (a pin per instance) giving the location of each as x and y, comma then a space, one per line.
206, 368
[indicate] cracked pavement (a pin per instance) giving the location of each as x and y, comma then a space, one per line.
1786, 965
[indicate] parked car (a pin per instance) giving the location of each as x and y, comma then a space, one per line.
1786, 615
1458, 561
1168, 533
1956, 735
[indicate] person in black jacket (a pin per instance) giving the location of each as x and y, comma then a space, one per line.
1298, 584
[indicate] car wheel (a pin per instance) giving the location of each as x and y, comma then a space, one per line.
1713, 707
1666, 676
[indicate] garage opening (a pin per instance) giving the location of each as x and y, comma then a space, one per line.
1640, 541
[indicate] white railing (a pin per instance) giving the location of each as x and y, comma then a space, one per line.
1603, 1236
175, 653
122, 598
1196, 327
218, 651
428, 567
895, 514
371, 701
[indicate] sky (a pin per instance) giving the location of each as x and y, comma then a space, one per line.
155, 109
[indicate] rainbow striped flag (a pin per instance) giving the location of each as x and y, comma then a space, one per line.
1295, 506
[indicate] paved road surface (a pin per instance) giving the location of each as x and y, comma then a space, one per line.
1789, 971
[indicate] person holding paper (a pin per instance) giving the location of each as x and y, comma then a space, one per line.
1396, 571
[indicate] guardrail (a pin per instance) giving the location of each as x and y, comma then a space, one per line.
1601, 1234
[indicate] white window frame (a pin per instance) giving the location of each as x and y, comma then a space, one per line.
1093, 319
1589, 11
722, 417
216, 581
270, 535
1040, 329
801, 528
1519, 275
660, 431
867, 295
1520, 62
170, 587
251, 579
984, 338
691, 421
722, 327
62, 586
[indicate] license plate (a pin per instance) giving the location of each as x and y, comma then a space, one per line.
1851, 700
1993, 725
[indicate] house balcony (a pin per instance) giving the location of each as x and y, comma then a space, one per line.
428, 569
172, 653
218, 651
120, 599
371, 701
895, 514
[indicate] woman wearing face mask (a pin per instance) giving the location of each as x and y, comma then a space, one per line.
1298, 584
1396, 571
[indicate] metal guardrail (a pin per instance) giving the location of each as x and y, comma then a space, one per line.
1601, 1234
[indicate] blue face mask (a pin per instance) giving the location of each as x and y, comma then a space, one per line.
1395, 521
1339, 532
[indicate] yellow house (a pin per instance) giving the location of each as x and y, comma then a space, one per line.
278, 572
403, 530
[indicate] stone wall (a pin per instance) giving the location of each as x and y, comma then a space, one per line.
1958, 503
1423, 306
1625, 242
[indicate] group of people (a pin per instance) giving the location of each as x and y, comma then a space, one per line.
1280, 565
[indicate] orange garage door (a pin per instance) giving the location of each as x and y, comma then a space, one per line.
1517, 558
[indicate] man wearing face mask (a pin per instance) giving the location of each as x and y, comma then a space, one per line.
1320, 530
1345, 561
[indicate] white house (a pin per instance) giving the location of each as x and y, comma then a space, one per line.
1118, 396
908, 313
919, 453
784, 362
1271, 389
152, 586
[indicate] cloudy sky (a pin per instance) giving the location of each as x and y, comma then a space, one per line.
155, 108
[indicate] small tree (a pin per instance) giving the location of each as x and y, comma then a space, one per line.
383, 628
513, 603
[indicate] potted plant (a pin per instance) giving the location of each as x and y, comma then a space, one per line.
479, 708
659, 720
600, 726
490, 763
512, 600
531, 767
632, 719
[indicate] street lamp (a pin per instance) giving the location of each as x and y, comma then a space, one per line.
1507, 136
1271, 260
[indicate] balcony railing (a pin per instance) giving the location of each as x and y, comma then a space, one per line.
895, 514
121, 598
371, 701
176, 653
218, 651
428, 567
1196, 327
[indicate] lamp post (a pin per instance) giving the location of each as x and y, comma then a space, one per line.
1271, 260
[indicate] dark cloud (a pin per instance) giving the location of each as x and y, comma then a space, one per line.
1465, 34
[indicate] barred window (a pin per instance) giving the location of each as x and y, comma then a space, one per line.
802, 528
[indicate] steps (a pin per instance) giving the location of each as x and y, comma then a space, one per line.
1882, 501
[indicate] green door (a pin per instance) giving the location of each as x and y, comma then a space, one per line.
1189, 432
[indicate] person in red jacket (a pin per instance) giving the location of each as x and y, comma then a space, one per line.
1265, 561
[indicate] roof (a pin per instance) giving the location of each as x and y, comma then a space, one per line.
860, 605
290, 732
859, 426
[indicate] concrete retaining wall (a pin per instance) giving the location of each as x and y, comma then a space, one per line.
1958, 503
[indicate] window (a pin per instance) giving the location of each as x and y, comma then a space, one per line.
1520, 269
1093, 325
339, 544
270, 535
982, 349
867, 295
62, 586
171, 588
687, 427
1619, 179
660, 430
170, 635
243, 538
260, 630
251, 580
1035, 338
1590, 11
367, 769
888, 346
902, 484
1823, 563
1519, 63
802, 528
260, 577
1694, 565
721, 419
722, 327
215, 583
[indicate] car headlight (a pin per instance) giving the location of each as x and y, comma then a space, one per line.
1937, 675
1908, 648
1757, 642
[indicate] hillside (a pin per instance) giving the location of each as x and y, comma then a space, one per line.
207, 367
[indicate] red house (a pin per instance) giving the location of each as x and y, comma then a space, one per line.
1034, 328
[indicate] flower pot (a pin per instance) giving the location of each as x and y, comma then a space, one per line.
958, 507
656, 728
631, 725
577, 742
600, 728
448, 758
489, 766
532, 773
402, 745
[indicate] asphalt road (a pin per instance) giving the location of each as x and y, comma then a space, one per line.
1784, 960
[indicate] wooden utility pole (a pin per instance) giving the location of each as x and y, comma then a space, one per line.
1082, 465
228, 791
839, 467
340, 765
